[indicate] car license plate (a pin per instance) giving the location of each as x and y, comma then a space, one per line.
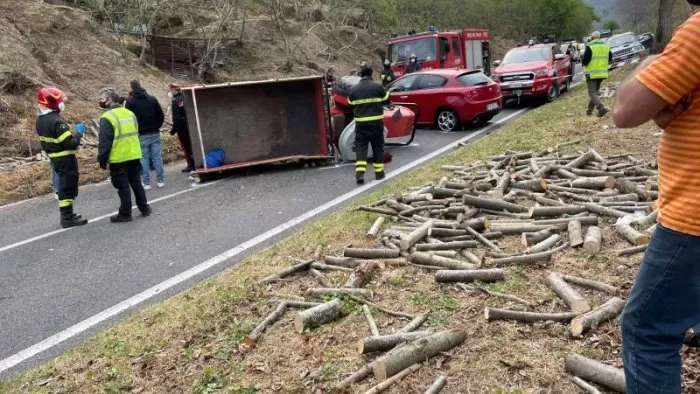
518, 92
492, 106
516, 85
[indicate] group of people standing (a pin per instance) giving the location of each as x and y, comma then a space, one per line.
129, 144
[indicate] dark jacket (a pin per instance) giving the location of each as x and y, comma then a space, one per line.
588, 55
51, 127
413, 67
104, 146
179, 115
367, 99
387, 76
148, 111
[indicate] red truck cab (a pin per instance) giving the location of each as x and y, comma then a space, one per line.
462, 49
540, 70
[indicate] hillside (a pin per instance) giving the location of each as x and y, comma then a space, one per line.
605, 9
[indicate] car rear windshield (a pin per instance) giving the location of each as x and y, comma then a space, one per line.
524, 55
424, 48
621, 40
474, 78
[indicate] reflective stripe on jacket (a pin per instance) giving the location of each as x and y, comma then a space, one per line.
55, 136
598, 67
367, 99
126, 145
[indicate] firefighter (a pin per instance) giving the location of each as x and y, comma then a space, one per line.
60, 144
413, 64
367, 99
387, 75
120, 148
180, 126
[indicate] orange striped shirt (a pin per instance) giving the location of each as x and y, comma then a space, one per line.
673, 75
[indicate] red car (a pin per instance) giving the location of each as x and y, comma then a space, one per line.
540, 70
449, 98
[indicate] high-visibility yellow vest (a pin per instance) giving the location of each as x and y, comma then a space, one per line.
598, 67
126, 145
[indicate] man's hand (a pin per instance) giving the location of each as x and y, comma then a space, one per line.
668, 114
103, 166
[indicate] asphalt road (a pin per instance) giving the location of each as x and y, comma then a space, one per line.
52, 280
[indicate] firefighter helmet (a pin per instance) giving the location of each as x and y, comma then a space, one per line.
50, 98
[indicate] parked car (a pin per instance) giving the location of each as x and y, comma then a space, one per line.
624, 46
534, 71
647, 40
449, 98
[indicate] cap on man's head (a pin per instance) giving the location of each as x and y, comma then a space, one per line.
109, 93
595, 35
366, 71
135, 84
174, 85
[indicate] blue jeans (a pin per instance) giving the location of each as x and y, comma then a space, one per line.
151, 153
54, 178
663, 305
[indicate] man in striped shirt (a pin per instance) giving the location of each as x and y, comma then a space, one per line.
665, 300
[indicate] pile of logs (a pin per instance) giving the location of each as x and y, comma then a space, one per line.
551, 202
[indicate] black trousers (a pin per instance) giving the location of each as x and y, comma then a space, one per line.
186, 145
67, 170
125, 178
366, 134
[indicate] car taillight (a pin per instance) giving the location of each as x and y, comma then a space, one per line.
471, 93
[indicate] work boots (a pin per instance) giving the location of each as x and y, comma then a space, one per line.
70, 219
379, 175
360, 178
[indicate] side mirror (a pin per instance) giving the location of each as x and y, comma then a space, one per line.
559, 56
496, 63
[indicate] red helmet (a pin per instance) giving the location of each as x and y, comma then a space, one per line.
50, 98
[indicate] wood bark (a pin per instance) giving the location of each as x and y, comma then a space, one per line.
584, 386
556, 211
573, 190
545, 245
535, 185
581, 160
320, 278
268, 321
502, 186
397, 206
591, 284
650, 230
597, 372
571, 297
601, 182
416, 235
585, 220
630, 234
593, 241
601, 210
328, 267
455, 245
525, 259
383, 211
575, 235
318, 315
490, 203
529, 317
517, 228
504, 296
387, 342
415, 323
596, 173
339, 261
379, 308
390, 381
360, 374
439, 261
589, 321
565, 173
632, 250
627, 187
483, 239
321, 291
648, 220
370, 321
475, 224
548, 201
437, 386
303, 266
371, 253
620, 198
529, 239
417, 351
361, 275
466, 276
376, 226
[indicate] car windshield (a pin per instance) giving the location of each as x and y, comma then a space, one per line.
524, 55
424, 48
621, 40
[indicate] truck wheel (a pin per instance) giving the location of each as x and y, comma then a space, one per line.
447, 120
553, 92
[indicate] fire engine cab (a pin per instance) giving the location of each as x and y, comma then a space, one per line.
461, 49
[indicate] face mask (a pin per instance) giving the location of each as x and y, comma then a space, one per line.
61, 106
103, 105
413, 60
170, 95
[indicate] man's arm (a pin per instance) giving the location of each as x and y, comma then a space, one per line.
69, 141
587, 55
159, 111
104, 146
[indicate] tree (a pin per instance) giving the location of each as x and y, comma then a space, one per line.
611, 25
664, 24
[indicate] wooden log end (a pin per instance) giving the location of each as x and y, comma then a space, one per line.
576, 327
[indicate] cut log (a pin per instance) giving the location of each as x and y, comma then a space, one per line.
650, 230
318, 315
361, 275
529, 317
300, 304
383, 211
632, 250
585, 220
387, 342
525, 258
573, 190
360, 374
575, 236
589, 389
475, 224
575, 197
648, 220
411, 197
379, 308
547, 244
328, 267
397, 206
502, 186
437, 386
417, 351
581, 161
483, 239
596, 173
529, 239
375, 253
339, 261
466, 276
490, 203
416, 235
548, 201
456, 245
439, 261
593, 241
517, 228
535, 185
303, 266
601, 182
496, 214
320, 278
608, 311
591, 284
322, 291
565, 173
630, 234
620, 198
390, 381
376, 226
318, 253
627, 187
415, 323
504, 296
597, 372
601, 210
370, 321
571, 297
269, 320
556, 211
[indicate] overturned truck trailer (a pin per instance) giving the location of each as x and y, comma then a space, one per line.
257, 122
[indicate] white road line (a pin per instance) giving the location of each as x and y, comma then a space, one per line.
97, 219
107, 314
